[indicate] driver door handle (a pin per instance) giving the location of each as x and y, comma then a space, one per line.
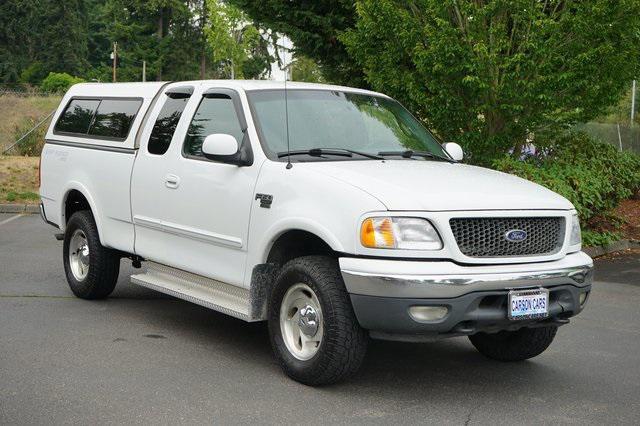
171, 181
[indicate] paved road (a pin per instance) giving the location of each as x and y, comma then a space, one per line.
140, 357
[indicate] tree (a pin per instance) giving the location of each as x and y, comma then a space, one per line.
314, 28
305, 69
63, 42
240, 46
17, 42
164, 33
39, 37
491, 73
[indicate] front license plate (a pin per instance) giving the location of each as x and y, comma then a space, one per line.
528, 304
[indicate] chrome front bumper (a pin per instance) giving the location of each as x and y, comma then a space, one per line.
383, 292
444, 279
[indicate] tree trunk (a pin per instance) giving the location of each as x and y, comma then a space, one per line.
160, 35
203, 40
517, 150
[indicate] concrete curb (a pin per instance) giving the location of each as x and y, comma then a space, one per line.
611, 248
20, 208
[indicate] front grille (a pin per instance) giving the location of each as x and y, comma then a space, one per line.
486, 237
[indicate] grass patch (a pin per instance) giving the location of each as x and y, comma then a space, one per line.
28, 196
19, 179
16, 112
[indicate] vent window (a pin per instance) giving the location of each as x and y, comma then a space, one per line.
166, 123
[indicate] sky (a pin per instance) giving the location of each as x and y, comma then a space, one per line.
278, 74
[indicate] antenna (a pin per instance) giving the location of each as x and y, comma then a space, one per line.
286, 104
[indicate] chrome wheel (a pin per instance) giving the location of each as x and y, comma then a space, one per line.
79, 255
301, 321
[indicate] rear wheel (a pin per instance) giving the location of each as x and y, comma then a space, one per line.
314, 332
514, 345
91, 269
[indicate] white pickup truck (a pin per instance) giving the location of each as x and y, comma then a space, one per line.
328, 211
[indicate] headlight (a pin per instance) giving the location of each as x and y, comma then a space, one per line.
400, 233
576, 235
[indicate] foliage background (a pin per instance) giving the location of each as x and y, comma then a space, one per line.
493, 75
594, 176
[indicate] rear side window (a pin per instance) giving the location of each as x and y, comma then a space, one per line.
77, 116
166, 124
99, 118
215, 114
114, 118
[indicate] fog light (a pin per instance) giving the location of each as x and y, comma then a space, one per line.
583, 297
428, 313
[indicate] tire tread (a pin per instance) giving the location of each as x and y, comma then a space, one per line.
345, 342
104, 264
516, 345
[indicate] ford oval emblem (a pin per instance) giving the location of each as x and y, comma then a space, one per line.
516, 235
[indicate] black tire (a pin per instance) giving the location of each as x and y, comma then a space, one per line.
514, 345
344, 342
104, 263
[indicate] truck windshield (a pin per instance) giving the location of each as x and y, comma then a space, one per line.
328, 124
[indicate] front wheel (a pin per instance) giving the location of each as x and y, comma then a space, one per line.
314, 332
514, 345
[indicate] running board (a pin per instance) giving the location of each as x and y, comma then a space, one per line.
212, 294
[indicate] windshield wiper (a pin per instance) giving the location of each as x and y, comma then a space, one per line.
410, 154
318, 152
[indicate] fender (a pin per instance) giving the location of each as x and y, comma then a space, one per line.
75, 185
296, 224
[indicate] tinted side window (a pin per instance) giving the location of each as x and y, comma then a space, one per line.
166, 124
114, 118
214, 115
77, 116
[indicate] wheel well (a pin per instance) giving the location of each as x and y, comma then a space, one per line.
297, 243
75, 202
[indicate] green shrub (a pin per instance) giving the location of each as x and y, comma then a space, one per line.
594, 176
597, 239
59, 82
33, 74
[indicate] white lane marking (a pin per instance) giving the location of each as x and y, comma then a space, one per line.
10, 219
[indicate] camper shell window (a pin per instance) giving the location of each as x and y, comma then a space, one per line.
98, 118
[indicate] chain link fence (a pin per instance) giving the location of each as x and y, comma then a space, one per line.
22, 91
622, 136
25, 112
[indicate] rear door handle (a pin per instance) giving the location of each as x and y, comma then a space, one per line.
171, 181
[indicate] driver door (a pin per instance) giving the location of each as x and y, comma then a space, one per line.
200, 218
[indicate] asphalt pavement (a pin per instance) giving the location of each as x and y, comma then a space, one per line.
144, 358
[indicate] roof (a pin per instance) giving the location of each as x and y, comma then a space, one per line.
149, 89
132, 90
270, 84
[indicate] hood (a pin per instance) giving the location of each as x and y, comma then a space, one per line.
439, 186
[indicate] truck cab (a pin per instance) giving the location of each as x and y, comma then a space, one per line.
330, 212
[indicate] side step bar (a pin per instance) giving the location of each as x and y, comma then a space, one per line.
212, 294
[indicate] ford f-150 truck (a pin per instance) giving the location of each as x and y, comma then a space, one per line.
328, 211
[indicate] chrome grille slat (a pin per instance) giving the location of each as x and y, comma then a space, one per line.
485, 237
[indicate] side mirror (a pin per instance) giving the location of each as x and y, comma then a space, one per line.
454, 150
224, 148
